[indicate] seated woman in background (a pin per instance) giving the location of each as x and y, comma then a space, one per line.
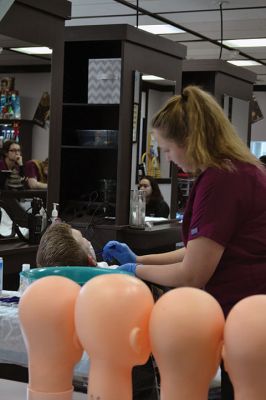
36, 172
263, 159
155, 204
12, 161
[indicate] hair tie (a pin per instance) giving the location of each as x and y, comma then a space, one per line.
184, 97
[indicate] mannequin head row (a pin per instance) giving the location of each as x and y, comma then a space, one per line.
114, 319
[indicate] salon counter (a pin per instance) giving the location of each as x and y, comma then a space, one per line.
153, 239
156, 238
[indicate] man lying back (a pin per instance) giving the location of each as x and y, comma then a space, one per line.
62, 245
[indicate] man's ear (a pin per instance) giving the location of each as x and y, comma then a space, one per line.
91, 261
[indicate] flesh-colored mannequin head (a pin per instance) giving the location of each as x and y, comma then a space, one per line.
112, 318
46, 313
244, 350
186, 333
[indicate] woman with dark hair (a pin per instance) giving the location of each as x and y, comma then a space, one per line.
155, 204
12, 161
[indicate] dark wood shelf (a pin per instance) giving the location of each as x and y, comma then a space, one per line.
91, 105
81, 168
90, 147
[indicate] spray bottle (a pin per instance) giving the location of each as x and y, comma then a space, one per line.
54, 213
44, 218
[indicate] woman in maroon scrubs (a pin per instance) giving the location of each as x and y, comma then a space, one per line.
224, 226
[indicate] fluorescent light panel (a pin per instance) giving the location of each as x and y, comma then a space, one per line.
160, 29
244, 63
152, 78
245, 42
33, 50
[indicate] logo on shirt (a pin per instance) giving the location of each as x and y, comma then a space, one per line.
194, 231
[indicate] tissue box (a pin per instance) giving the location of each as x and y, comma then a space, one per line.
104, 76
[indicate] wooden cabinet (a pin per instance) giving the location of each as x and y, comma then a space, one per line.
82, 169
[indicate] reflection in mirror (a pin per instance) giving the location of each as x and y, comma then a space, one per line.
24, 118
237, 110
150, 93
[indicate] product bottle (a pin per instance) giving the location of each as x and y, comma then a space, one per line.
137, 209
1, 274
54, 213
44, 218
23, 281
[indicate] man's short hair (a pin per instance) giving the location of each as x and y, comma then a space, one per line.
58, 247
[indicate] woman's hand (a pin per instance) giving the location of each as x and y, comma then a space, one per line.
129, 267
118, 251
19, 160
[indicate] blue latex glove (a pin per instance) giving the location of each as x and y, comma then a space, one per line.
118, 251
129, 267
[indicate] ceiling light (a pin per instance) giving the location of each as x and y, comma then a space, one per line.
245, 42
160, 29
244, 63
32, 50
152, 78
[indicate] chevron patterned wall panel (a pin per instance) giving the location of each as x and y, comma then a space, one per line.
104, 81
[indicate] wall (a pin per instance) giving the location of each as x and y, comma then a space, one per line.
30, 87
258, 129
166, 192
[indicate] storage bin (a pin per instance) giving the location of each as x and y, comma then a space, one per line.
97, 138
104, 76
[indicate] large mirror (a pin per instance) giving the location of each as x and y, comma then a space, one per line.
25, 78
150, 93
25, 122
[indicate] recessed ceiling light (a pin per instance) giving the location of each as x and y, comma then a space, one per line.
152, 78
245, 42
244, 63
160, 29
32, 50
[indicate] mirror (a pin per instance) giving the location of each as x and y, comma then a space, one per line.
29, 80
24, 79
150, 93
237, 110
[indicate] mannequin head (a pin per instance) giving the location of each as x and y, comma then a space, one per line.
186, 333
112, 316
46, 313
244, 350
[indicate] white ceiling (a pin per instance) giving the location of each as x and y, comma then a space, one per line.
241, 19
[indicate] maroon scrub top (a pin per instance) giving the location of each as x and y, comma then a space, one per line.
229, 207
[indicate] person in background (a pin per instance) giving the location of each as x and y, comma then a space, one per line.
224, 225
36, 172
12, 161
263, 160
155, 204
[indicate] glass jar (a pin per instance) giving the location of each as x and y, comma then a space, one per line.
137, 209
